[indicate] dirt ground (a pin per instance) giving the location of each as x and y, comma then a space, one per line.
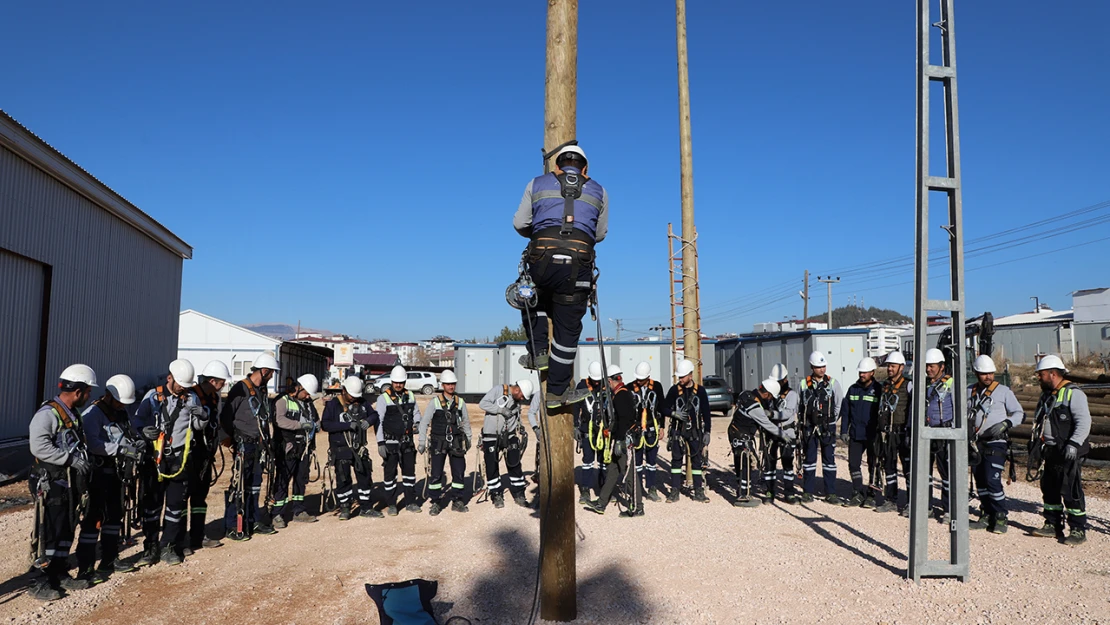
681, 563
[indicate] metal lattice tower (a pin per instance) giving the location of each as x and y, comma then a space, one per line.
954, 438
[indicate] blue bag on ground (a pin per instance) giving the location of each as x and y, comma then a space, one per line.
405, 603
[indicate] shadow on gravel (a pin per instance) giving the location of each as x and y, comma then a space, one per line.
15, 586
816, 524
504, 593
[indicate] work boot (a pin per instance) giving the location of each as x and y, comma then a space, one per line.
391, 510
807, 497
855, 502
538, 363
239, 537
304, 517
414, 508
982, 523
498, 500
187, 551
834, 500
652, 494
458, 506
264, 529
672, 497
750, 502
791, 499
43, 590
435, 509
1048, 530
149, 558
1000, 523
595, 507
868, 502
170, 557
116, 566
92, 576
520, 500
370, 512
344, 514
279, 523
568, 397
73, 583
699, 495
583, 495
905, 511
887, 506
1076, 538
632, 513
211, 543
767, 496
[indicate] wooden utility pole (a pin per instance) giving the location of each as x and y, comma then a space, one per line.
805, 303
558, 577
691, 321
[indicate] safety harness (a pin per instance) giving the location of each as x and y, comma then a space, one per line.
397, 424
647, 406
169, 464
446, 433
565, 244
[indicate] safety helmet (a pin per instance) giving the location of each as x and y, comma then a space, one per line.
643, 371
309, 383
779, 372
865, 364
817, 359
571, 149
983, 364
74, 376
122, 388
265, 361
895, 358
216, 369
448, 377
353, 386
594, 371
1051, 361
771, 386
526, 388
934, 356
613, 370
685, 367
397, 374
183, 373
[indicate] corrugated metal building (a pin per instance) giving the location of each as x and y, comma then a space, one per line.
746, 361
87, 277
1092, 322
1019, 338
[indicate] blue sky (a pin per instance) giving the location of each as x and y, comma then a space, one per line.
355, 166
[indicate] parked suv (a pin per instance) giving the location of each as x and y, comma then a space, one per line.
719, 392
419, 381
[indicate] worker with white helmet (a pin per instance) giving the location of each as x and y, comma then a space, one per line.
396, 408
623, 430
1064, 420
859, 417
346, 421
245, 418
503, 432
893, 441
751, 416
563, 213
589, 421
939, 413
58, 477
783, 413
445, 434
687, 404
992, 410
202, 464
649, 397
295, 425
112, 446
821, 397
170, 418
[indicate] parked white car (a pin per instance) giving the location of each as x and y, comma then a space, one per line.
418, 382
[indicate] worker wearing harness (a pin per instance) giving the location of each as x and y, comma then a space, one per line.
564, 213
859, 416
503, 431
821, 397
396, 409
245, 418
58, 477
447, 419
783, 412
620, 438
751, 416
346, 421
894, 406
202, 463
589, 420
994, 410
1065, 415
296, 423
939, 413
649, 396
687, 405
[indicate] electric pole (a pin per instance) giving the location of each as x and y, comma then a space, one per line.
558, 581
691, 322
659, 328
805, 302
616, 322
829, 281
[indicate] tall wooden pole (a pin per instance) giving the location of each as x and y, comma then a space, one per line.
691, 321
558, 579
805, 305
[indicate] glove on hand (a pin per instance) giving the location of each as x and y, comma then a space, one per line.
705, 438
78, 463
996, 431
382, 450
307, 425
788, 436
364, 425
151, 433
1071, 452
127, 449
844, 438
577, 435
421, 449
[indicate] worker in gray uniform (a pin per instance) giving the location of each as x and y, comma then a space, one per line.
751, 416
994, 409
396, 408
893, 430
295, 423
503, 431
784, 414
1064, 416
58, 481
448, 422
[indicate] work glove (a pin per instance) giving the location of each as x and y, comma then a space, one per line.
151, 433
705, 439
421, 448
78, 463
577, 435
198, 417
788, 436
364, 425
536, 431
127, 449
996, 431
844, 438
681, 415
307, 425
1071, 452
382, 450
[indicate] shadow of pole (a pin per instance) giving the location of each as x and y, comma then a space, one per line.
816, 526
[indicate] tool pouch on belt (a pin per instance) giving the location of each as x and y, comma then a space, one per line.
579, 253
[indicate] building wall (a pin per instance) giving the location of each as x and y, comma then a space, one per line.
1091, 339
97, 291
1093, 305
1019, 345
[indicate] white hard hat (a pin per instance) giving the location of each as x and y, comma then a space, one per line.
613, 370
643, 371
895, 358
771, 386
526, 388
934, 356
685, 367
1051, 361
183, 373
397, 374
448, 377
865, 364
79, 374
594, 371
309, 383
571, 149
266, 361
353, 386
817, 359
983, 364
779, 372
121, 387
216, 369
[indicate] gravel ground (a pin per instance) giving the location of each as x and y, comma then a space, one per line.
681, 563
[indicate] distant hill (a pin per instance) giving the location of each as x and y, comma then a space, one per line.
282, 331
849, 315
